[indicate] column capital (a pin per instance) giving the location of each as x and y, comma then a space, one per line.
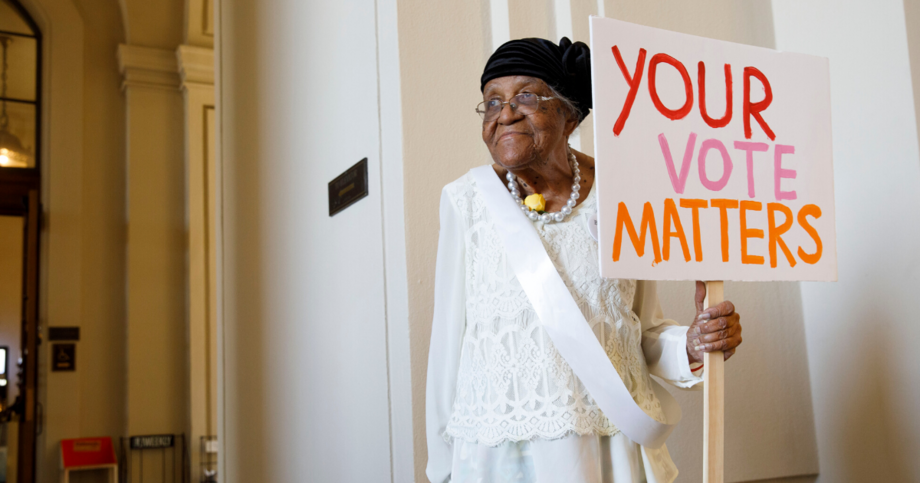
148, 67
196, 65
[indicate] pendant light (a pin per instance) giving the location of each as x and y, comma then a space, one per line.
12, 153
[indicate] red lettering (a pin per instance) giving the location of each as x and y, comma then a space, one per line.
633, 81
653, 90
701, 81
753, 109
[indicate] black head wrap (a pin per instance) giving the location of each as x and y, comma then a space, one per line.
565, 67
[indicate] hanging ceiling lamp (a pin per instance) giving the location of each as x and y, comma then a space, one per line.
12, 153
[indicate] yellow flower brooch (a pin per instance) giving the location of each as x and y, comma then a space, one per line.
535, 202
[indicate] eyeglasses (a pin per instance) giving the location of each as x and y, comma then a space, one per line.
524, 103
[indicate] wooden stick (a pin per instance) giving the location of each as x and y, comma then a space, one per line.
713, 402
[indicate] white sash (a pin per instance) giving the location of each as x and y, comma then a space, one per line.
564, 322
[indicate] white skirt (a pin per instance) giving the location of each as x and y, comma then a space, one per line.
573, 459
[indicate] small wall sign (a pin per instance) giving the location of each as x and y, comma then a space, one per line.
153, 441
348, 187
63, 357
64, 333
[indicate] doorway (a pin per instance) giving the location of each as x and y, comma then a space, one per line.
11, 271
19, 218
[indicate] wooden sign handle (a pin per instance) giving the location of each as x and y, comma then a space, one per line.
713, 402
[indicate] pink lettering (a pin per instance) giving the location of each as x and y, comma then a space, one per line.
678, 182
726, 165
779, 173
749, 148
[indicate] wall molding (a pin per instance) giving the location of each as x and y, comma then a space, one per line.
196, 74
199, 23
148, 67
195, 65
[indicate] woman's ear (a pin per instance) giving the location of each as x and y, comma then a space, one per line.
570, 124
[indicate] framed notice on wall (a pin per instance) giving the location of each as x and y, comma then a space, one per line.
714, 159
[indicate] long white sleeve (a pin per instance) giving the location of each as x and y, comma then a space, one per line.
446, 337
664, 342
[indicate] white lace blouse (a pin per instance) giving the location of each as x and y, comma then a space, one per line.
494, 377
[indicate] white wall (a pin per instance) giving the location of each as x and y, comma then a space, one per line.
304, 335
862, 331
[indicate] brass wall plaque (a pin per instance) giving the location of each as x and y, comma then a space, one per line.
348, 187
63, 357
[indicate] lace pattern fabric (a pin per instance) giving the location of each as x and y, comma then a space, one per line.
512, 384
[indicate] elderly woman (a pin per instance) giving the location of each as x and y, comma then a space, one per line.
503, 405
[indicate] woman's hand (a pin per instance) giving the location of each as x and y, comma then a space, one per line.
714, 329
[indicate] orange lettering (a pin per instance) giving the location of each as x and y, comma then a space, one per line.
749, 233
815, 211
670, 214
638, 241
695, 205
775, 232
724, 205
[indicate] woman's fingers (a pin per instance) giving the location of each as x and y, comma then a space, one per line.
719, 335
722, 334
723, 345
717, 328
721, 310
718, 324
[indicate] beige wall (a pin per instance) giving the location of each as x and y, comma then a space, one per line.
82, 259
11, 296
441, 142
159, 24
742, 22
197, 67
85, 242
156, 269
156, 332
101, 348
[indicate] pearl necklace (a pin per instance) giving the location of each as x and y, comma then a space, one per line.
549, 217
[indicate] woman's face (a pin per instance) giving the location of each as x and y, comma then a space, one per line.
517, 141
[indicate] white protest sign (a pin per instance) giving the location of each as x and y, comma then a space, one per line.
713, 159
